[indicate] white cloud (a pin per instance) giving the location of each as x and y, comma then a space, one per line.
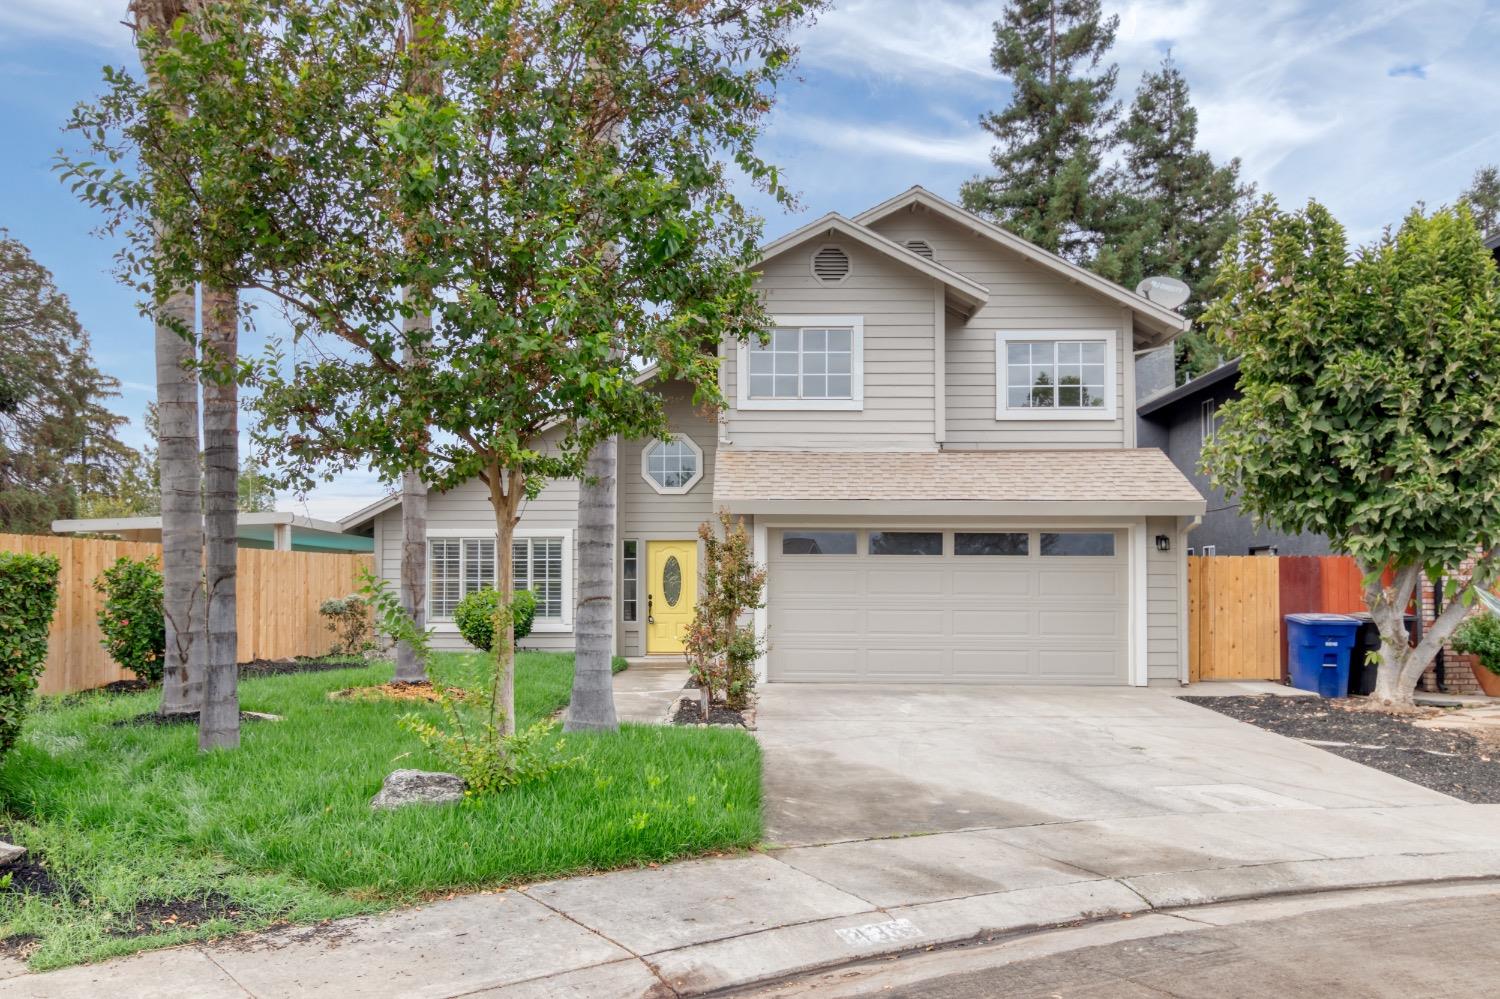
865, 138
93, 22
905, 40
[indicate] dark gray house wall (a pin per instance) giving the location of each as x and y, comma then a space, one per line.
1175, 422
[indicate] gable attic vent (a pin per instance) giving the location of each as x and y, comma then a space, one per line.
830, 264
920, 247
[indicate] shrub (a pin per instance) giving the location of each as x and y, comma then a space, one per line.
28, 595
349, 620
1479, 636
487, 760
721, 645
475, 616
135, 630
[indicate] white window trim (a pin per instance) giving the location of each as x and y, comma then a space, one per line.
669, 490
856, 402
1109, 410
447, 626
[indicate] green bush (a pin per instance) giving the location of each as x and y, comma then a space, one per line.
135, 631
28, 595
475, 616
349, 620
1479, 636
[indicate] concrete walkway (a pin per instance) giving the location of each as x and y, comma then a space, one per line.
646, 691
1079, 805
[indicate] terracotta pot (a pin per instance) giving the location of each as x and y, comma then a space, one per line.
1488, 682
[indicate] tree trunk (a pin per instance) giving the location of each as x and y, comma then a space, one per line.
409, 666
506, 490
177, 454
219, 721
181, 508
1401, 665
592, 707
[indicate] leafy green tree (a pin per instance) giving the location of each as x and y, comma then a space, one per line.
566, 188
1482, 197
59, 443
1368, 411
1178, 210
1049, 186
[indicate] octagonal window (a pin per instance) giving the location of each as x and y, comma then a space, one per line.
674, 466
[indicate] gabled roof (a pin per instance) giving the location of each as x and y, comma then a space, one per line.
968, 291
1163, 322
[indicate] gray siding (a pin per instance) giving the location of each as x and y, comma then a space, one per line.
1022, 296
897, 305
646, 515
1163, 603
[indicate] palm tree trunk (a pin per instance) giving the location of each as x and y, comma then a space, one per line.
593, 705
181, 508
413, 595
219, 721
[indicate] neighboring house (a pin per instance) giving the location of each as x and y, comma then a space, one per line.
277, 530
935, 454
1180, 421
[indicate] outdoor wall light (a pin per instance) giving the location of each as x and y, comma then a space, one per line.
1163, 543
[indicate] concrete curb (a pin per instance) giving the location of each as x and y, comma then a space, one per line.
758, 959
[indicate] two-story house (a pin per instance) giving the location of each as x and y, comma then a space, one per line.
935, 454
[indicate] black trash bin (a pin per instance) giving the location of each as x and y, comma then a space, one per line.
1362, 667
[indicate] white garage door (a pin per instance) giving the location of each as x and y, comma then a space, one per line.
948, 606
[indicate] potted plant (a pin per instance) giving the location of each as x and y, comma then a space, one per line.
1479, 636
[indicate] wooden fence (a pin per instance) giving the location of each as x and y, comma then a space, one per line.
278, 597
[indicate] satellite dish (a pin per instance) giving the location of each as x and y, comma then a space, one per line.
1167, 292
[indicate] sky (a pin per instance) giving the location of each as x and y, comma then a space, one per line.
1370, 107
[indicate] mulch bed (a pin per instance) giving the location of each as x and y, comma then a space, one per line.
164, 915
301, 664
419, 691
156, 718
1452, 762
690, 712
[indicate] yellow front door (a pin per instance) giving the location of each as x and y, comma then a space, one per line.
671, 592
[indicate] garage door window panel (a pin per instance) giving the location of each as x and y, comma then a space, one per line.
1078, 544
819, 543
1012, 543
906, 543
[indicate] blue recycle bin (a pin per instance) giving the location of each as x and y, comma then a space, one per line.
1318, 647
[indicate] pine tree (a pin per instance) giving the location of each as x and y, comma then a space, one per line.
1483, 199
1049, 187
1178, 209
58, 441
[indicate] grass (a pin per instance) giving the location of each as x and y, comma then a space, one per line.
134, 820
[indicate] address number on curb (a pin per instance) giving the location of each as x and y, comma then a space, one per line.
879, 933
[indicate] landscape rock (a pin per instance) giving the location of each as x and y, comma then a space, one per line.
10, 853
419, 787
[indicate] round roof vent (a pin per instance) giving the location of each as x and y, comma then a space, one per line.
830, 264
920, 247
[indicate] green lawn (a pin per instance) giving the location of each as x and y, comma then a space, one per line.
127, 818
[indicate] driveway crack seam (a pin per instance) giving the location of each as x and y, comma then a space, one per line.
227, 973
602, 936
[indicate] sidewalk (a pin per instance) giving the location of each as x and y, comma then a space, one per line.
706, 925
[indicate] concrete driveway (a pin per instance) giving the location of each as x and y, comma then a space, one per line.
855, 762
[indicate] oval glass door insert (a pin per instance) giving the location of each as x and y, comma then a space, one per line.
671, 581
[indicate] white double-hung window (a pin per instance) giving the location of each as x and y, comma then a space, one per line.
808, 362
1055, 374
540, 559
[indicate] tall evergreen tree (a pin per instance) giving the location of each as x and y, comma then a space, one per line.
1049, 186
1177, 208
1483, 198
58, 441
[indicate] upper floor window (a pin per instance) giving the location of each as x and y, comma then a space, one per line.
808, 362
1207, 420
1055, 375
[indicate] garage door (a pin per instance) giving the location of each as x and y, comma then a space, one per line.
948, 606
